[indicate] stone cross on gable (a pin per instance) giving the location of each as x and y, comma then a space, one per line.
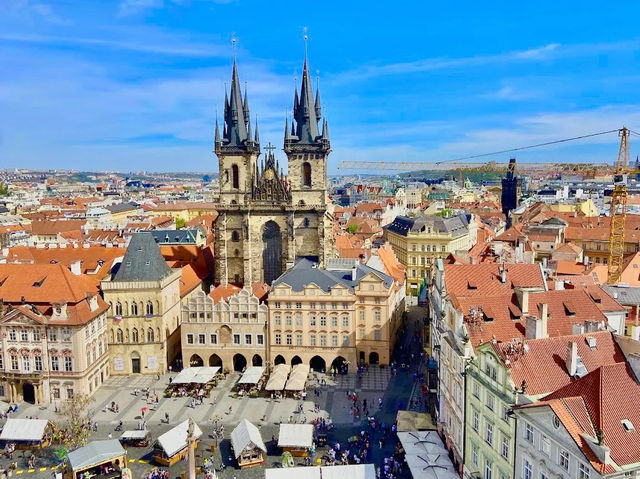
270, 148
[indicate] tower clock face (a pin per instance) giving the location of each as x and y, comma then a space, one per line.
269, 174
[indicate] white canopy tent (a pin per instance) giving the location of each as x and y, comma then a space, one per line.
96, 452
197, 375
351, 471
24, 430
426, 455
278, 378
298, 377
295, 435
252, 375
175, 440
246, 436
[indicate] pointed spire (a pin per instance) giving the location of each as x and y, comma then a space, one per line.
245, 103
249, 134
325, 130
287, 136
317, 103
236, 119
293, 131
304, 112
217, 134
256, 140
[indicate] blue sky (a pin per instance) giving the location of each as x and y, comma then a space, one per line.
135, 84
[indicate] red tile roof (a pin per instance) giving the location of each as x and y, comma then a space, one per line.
486, 279
610, 394
552, 352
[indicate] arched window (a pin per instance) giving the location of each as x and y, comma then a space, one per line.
134, 335
134, 309
118, 309
149, 308
111, 335
305, 222
150, 335
235, 236
306, 174
235, 176
120, 336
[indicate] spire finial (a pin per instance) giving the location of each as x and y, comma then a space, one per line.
306, 38
233, 45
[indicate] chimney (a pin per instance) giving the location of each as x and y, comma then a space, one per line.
571, 360
503, 275
354, 273
523, 300
536, 328
76, 267
558, 285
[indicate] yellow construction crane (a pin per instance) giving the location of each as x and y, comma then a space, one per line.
618, 208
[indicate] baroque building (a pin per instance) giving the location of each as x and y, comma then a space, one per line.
53, 334
268, 220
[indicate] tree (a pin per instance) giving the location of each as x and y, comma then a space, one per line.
180, 222
4, 189
352, 228
74, 426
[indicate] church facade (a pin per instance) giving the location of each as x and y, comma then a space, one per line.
266, 219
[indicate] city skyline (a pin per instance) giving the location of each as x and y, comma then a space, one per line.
136, 85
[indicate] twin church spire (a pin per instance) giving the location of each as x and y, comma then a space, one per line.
237, 131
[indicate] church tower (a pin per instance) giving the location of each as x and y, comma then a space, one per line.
307, 147
238, 148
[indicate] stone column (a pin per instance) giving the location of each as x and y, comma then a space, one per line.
191, 458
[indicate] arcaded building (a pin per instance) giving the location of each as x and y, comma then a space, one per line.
226, 328
345, 313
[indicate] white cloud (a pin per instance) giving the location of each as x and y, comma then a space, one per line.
31, 12
545, 52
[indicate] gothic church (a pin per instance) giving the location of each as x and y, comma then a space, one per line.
266, 219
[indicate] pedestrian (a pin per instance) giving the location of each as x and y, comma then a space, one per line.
110, 436
166, 417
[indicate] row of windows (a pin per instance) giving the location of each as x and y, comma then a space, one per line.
443, 248
312, 305
288, 338
35, 365
563, 460
123, 336
236, 339
322, 320
134, 310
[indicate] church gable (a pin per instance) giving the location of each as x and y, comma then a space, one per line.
270, 184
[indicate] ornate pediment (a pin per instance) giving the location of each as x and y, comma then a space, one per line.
22, 315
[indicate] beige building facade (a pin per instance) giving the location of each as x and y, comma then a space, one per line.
144, 296
419, 241
230, 333
344, 314
50, 350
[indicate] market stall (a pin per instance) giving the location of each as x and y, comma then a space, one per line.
297, 379
278, 378
172, 446
195, 382
251, 381
27, 433
296, 438
414, 421
352, 471
136, 438
104, 459
248, 447
426, 455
